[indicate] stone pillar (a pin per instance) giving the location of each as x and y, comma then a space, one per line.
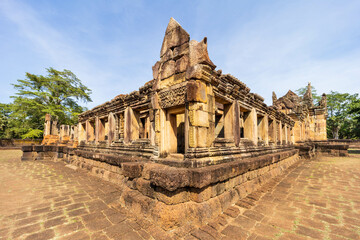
81, 131
285, 137
75, 132
229, 121
288, 131
152, 127
97, 129
117, 127
161, 131
272, 130
236, 123
54, 127
90, 136
154, 117
262, 128
112, 126
121, 125
265, 129
47, 128
131, 126
292, 135
280, 134
62, 132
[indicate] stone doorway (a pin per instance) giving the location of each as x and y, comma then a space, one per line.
176, 131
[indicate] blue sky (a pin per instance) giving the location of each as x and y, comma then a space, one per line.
112, 45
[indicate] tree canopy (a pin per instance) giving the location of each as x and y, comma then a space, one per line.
343, 117
57, 93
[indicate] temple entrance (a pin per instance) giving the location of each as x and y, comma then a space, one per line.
176, 131
180, 132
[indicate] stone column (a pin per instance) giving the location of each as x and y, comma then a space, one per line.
154, 116
229, 121
288, 134
285, 133
131, 126
112, 125
160, 128
90, 136
87, 130
262, 128
280, 134
47, 127
272, 130
265, 128
62, 133
121, 125
54, 127
236, 123
97, 129
292, 136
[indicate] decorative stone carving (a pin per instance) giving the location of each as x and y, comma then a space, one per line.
172, 97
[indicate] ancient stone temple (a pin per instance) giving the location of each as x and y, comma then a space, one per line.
310, 120
191, 141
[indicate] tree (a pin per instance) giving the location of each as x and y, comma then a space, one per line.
342, 121
57, 93
302, 91
4, 115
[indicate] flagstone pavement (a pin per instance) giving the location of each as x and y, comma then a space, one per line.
314, 199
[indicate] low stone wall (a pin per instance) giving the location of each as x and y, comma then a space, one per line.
324, 148
175, 197
355, 144
17, 143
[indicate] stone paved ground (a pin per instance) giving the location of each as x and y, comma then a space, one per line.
318, 199
45, 200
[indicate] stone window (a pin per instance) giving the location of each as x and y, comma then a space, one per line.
219, 120
247, 124
260, 128
82, 131
90, 131
272, 131
144, 125
101, 129
224, 120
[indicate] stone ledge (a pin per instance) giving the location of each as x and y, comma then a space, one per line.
171, 178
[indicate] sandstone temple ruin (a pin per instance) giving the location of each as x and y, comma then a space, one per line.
192, 140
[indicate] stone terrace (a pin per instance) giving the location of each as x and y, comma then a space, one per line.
314, 199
